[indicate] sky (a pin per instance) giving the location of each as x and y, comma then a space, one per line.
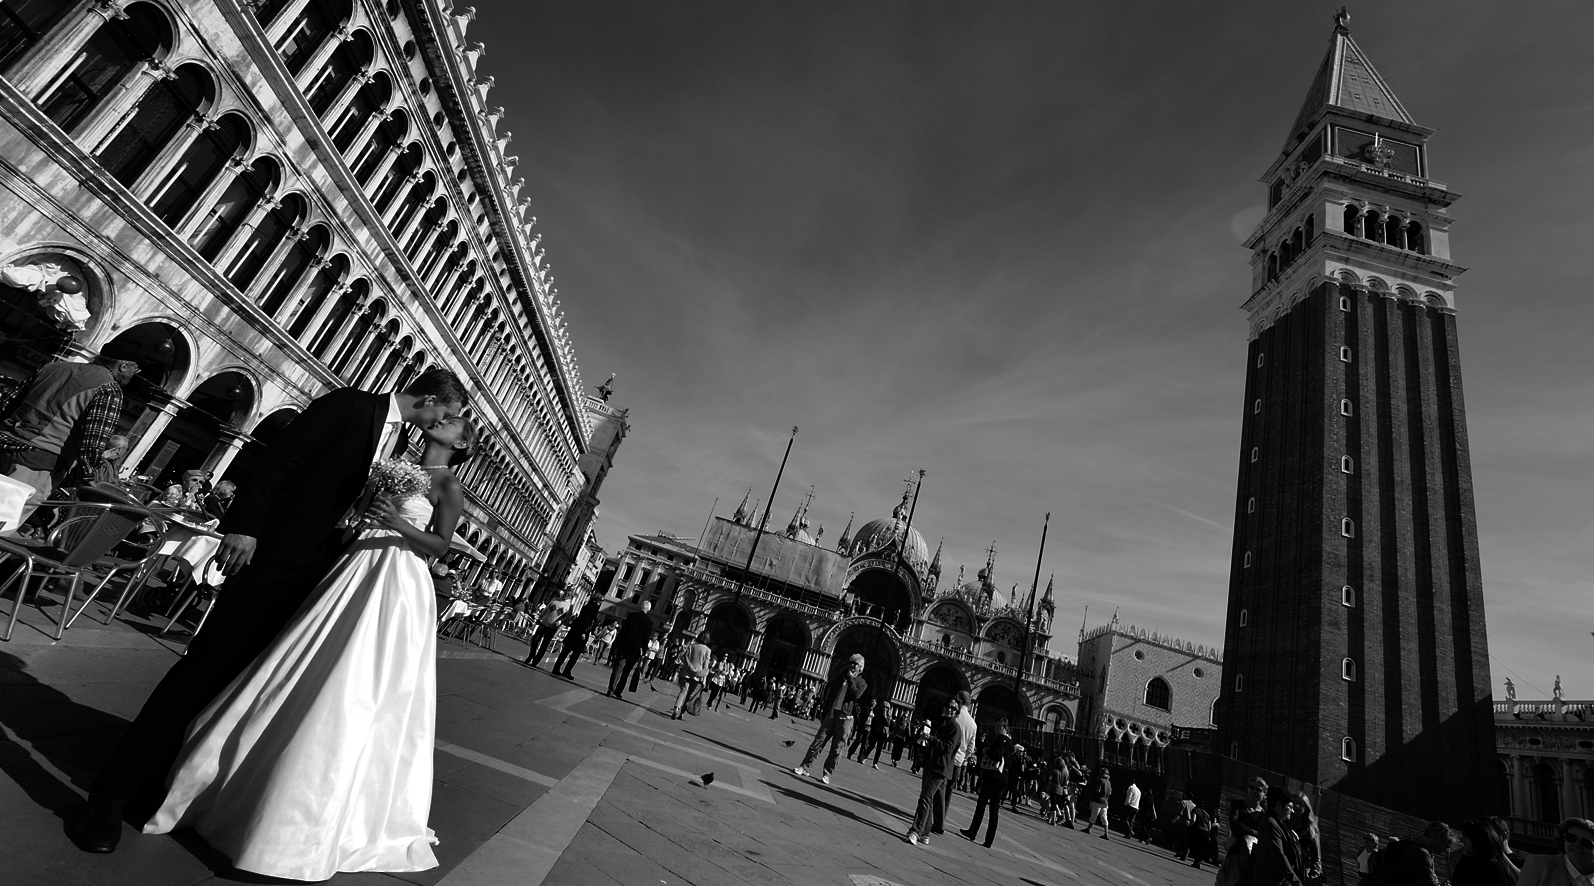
1002, 243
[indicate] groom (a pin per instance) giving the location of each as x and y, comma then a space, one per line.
280, 538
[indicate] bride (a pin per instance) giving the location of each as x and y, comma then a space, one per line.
318, 757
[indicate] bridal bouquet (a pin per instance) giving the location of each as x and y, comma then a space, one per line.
397, 480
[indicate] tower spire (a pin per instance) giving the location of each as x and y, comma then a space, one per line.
741, 510
846, 535
935, 562
799, 520
1347, 82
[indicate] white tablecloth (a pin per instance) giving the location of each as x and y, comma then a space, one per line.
194, 545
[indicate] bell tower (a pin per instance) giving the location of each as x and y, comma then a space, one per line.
1355, 655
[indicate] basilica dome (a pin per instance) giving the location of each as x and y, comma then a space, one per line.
882, 535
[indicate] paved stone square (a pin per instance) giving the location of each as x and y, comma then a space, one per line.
538, 780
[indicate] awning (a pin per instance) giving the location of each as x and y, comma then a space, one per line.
464, 547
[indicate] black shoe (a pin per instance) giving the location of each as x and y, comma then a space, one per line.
98, 828
967, 835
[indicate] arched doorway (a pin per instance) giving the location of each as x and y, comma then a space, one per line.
1058, 719
728, 628
882, 593
265, 431
995, 702
162, 357
939, 683
191, 437
785, 646
29, 337
881, 660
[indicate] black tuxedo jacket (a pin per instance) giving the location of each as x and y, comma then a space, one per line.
308, 478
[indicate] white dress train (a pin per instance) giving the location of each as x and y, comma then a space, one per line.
318, 758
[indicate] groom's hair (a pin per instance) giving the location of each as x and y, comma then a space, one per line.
468, 433
440, 384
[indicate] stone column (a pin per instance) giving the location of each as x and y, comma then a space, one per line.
273, 263
107, 118
313, 328
279, 25
379, 175
230, 441
1568, 786
50, 58
401, 200
340, 102
234, 167
368, 377
342, 335
284, 315
1521, 795
319, 57
240, 235
164, 407
164, 167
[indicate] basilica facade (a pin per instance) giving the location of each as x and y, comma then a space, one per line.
259, 201
796, 608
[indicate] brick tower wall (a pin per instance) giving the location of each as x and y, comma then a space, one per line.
1419, 709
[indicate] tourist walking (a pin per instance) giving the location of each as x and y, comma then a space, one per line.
846, 694
777, 692
939, 749
694, 664
574, 643
548, 621
1097, 795
879, 732
650, 659
997, 762
629, 644
1131, 808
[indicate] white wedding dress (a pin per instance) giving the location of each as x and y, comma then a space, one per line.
318, 757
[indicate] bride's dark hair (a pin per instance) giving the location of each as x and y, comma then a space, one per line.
467, 432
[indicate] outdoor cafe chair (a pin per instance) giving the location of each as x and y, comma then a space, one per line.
82, 542
191, 590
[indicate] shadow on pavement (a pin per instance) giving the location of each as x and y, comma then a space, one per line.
73, 738
830, 807
730, 747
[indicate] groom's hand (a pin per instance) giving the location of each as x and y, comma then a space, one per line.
234, 553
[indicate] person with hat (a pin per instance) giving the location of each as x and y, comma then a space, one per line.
846, 694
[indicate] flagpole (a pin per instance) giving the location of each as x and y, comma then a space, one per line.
1029, 618
758, 533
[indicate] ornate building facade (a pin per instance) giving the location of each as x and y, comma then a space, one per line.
1356, 655
1143, 689
268, 199
1546, 763
797, 609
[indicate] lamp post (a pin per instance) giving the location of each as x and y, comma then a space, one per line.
1029, 618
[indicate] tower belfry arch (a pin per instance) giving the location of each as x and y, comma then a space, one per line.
1353, 359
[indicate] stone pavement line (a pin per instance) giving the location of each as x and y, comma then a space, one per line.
1120, 871
495, 763
527, 848
563, 708
764, 795
642, 709
1036, 858
564, 700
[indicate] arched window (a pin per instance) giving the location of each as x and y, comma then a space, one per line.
1256, 453
316, 293
270, 231
1344, 353
157, 117
1159, 695
1347, 596
433, 218
1296, 243
316, 22
1353, 218
266, 11
336, 320
1311, 228
1347, 527
1372, 226
198, 168
1245, 617
389, 136
1414, 240
1347, 749
369, 102
1239, 682
1344, 303
1347, 465
1347, 670
346, 61
1273, 266
1345, 408
109, 57
235, 204
1250, 505
286, 278
360, 337
23, 23
1247, 560
1394, 232
1549, 794
1234, 750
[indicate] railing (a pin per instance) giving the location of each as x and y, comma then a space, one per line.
699, 574
1581, 710
1539, 831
